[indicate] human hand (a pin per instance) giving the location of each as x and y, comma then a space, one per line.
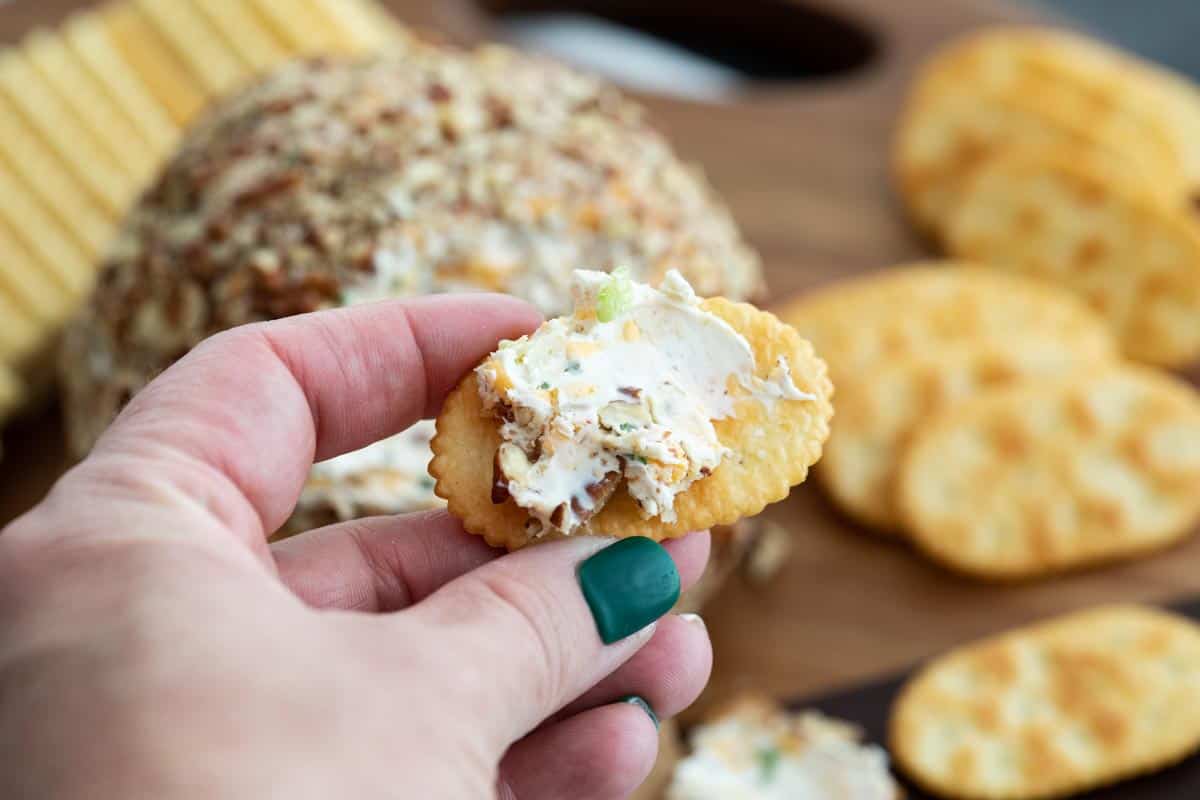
153, 644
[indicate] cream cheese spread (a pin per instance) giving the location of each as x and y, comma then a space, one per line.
626, 389
763, 754
388, 476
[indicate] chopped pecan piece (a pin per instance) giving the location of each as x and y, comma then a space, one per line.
599, 492
510, 464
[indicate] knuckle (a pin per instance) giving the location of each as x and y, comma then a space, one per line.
530, 617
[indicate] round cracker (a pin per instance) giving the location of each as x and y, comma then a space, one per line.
878, 412
1001, 90
1050, 476
911, 309
1053, 709
773, 448
1164, 105
1051, 216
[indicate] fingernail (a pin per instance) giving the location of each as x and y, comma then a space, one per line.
628, 585
694, 619
641, 703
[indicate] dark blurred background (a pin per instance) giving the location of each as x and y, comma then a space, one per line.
1164, 30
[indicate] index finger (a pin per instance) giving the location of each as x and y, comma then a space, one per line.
254, 406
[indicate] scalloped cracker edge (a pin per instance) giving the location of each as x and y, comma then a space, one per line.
773, 449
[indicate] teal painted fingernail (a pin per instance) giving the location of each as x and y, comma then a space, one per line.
641, 703
628, 585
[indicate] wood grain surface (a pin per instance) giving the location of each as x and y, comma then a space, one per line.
804, 167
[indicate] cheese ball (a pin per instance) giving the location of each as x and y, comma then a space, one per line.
335, 181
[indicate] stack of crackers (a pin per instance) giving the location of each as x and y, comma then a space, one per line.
89, 111
1051, 155
1006, 411
991, 420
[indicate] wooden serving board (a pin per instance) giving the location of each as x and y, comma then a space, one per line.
804, 165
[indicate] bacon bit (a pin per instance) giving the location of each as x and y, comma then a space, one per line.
439, 93
630, 391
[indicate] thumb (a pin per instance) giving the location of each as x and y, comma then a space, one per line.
535, 629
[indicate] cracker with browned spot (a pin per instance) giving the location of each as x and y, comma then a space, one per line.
1133, 258
910, 309
879, 410
994, 92
1108, 88
1055, 475
772, 449
1053, 709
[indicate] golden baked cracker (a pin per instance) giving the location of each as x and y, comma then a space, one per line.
1054, 475
88, 39
1053, 709
159, 69
879, 409
299, 24
1134, 259
773, 448
52, 183
57, 255
244, 32
29, 286
1073, 80
20, 334
74, 145
85, 97
909, 309
206, 56
1165, 104
380, 18
358, 26
945, 136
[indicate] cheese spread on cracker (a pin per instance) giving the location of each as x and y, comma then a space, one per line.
625, 389
760, 753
